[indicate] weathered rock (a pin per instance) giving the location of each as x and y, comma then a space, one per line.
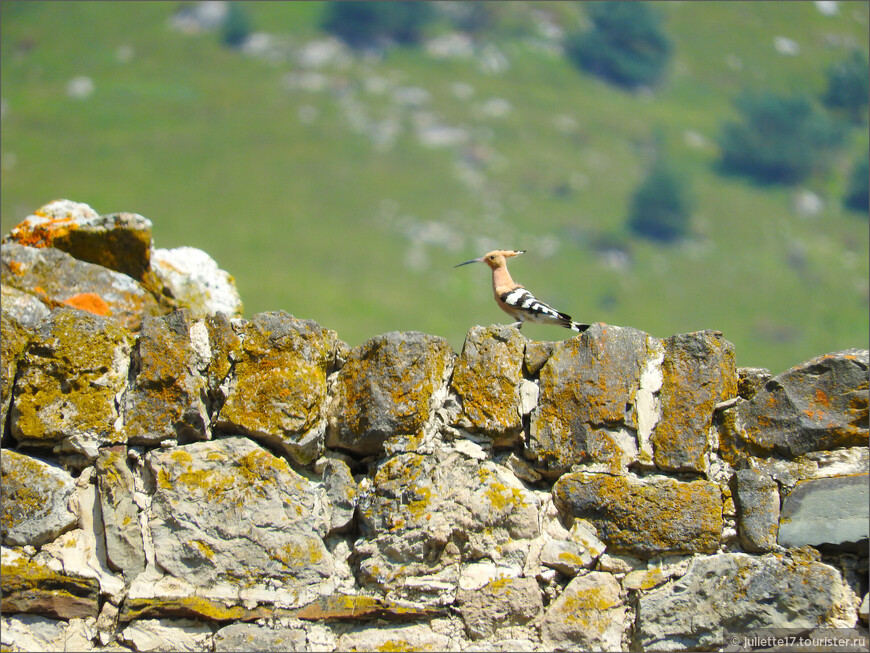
588, 615
58, 279
536, 354
69, 380
741, 593
230, 511
252, 637
23, 307
168, 635
758, 510
502, 602
81, 552
588, 396
342, 492
14, 338
698, 372
195, 281
644, 579
644, 517
360, 607
487, 380
31, 587
277, 393
387, 388
225, 348
166, 400
399, 638
35, 500
426, 513
31, 632
819, 405
823, 511
120, 242
750, 380
124, 545
567, 556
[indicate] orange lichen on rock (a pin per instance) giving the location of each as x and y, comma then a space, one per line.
90, 302
42, 234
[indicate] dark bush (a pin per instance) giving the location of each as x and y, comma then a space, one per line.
236, 26
849, 86
661, 208
779, 139
626, 44
858, 194
365, 23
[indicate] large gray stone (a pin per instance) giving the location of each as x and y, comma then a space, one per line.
166, 400
588, 389
386, 389
35, 500
68, 384
487, 381
277, 392
120, 242
589, 615
502, 602
819, 405
253, 637
758, 510
741, 593
698, 372
427, 513
647, 517
826, 511
57, 279
125, 549
230, 511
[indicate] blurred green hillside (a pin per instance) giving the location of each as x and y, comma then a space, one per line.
343, 187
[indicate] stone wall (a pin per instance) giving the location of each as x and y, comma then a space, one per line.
175, 477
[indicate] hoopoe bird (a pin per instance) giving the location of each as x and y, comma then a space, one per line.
515, 300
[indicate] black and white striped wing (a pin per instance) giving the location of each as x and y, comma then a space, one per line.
534, 310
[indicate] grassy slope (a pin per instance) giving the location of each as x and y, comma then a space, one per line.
313, 219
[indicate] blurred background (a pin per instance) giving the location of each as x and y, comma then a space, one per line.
670, 166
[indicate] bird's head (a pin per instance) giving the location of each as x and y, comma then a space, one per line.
496, 258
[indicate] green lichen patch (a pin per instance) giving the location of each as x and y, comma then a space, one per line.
279, 389
486, 379
69, 378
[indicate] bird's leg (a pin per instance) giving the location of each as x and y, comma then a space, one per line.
518, 324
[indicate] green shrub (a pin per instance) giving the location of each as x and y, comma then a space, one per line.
661, 208
365, 23
849, 86
858, 194
626, 44
779, 139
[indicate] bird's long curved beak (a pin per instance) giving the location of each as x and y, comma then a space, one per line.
474, 260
